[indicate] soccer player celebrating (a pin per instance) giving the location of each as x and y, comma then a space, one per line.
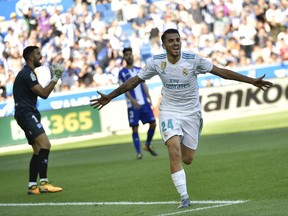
26, 89
138, 105
180, 115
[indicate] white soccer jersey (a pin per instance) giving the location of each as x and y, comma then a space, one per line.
180, 88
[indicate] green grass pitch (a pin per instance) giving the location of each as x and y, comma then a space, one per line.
237, 160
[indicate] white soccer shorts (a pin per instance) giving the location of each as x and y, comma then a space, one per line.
187, 127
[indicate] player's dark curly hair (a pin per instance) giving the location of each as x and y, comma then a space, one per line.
28, 50
168, 31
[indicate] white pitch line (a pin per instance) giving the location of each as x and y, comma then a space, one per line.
220, 202
204, 208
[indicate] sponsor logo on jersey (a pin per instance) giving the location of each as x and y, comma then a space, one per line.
165, 134
32, 76
185, 72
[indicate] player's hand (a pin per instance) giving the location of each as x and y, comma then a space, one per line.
57, 71
262, 84
100, 102
135, 104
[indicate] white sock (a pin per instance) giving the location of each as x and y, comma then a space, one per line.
179, 180
32, 184
44, 180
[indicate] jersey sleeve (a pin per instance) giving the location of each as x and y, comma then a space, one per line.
148, 71
121, 78
203, 66
31, 79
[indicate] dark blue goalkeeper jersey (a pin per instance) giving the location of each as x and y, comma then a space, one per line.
25, 99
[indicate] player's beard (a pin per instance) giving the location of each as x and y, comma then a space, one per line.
37, 64
175, 52
129, 62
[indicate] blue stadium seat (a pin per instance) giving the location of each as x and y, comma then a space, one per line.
145, 51
127, 29
108, 16
126, 43
102, 8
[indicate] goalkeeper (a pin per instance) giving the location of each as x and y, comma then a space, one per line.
26, 89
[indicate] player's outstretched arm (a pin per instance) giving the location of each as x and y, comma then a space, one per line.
228, 74
105, 99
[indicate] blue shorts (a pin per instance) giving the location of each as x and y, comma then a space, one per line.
144, 114
30, 124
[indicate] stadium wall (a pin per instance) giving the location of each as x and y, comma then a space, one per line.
69, 114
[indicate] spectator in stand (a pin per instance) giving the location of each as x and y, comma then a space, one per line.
283, 46
69, 30
85, 76
15, 60
69, 80
30, 20
56, 20
100, 78
233, 47
116, 7
130, 10
17, 25
11, 37
205, 35
269, 50
208, 13
3, 81
221, 6
259, 10
156, 14
140, 20
246, 36
274, 18
44, 25
221, 24
261, 37
98, 24
197, 17
9, 84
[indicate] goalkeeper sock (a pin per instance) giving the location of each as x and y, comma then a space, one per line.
136, 142
43, 162
33, 168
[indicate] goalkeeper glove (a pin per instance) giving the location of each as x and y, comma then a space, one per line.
57, 70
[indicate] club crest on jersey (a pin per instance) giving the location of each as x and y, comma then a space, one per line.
32, 76
185, 72
165, 134
163, 66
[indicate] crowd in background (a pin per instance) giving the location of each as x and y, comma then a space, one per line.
89, 42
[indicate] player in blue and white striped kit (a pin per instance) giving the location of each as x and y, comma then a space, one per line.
139, 105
